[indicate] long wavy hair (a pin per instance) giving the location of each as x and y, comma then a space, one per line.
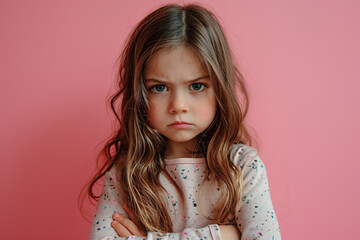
136, 150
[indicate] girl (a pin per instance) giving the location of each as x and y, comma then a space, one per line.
178, 167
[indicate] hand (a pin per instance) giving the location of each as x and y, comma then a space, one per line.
126, 227
229, 232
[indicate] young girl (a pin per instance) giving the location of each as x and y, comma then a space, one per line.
178, 167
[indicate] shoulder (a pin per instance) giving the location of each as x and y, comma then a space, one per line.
110, 177
246, 158
241, 153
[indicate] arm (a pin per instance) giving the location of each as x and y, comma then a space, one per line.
126, 227
110, 203
255, 213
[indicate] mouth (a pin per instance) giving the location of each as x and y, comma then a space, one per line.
180, 124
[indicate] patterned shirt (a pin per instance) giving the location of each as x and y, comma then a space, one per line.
255, 215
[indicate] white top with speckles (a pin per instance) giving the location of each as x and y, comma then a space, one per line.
255, 215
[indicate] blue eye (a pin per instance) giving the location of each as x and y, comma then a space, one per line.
197, 86
158, 88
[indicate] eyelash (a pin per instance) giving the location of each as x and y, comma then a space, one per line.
152, 88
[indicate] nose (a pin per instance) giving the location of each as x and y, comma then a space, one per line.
178, 103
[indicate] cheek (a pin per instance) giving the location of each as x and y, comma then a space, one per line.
207, 111
154, 113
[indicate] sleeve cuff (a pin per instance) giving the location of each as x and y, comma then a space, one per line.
215, 231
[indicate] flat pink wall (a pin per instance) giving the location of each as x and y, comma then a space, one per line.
300, 58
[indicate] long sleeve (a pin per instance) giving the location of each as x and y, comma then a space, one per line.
110, 202
256, 217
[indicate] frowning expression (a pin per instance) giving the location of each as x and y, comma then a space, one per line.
181, 95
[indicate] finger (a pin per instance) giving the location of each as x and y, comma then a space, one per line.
120, 229
128, 224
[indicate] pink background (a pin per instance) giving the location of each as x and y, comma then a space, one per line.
301, 61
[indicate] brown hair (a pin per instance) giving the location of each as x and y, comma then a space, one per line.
136, 150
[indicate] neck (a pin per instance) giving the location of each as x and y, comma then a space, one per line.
182, 150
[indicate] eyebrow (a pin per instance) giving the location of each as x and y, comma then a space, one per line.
189, 81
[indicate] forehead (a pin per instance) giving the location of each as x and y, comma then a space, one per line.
174, 63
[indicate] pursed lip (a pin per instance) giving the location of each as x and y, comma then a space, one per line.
179, 124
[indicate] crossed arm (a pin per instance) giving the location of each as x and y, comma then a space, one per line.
126, 227
255, 218
114, 219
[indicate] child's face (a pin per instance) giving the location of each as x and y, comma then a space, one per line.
181, 95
